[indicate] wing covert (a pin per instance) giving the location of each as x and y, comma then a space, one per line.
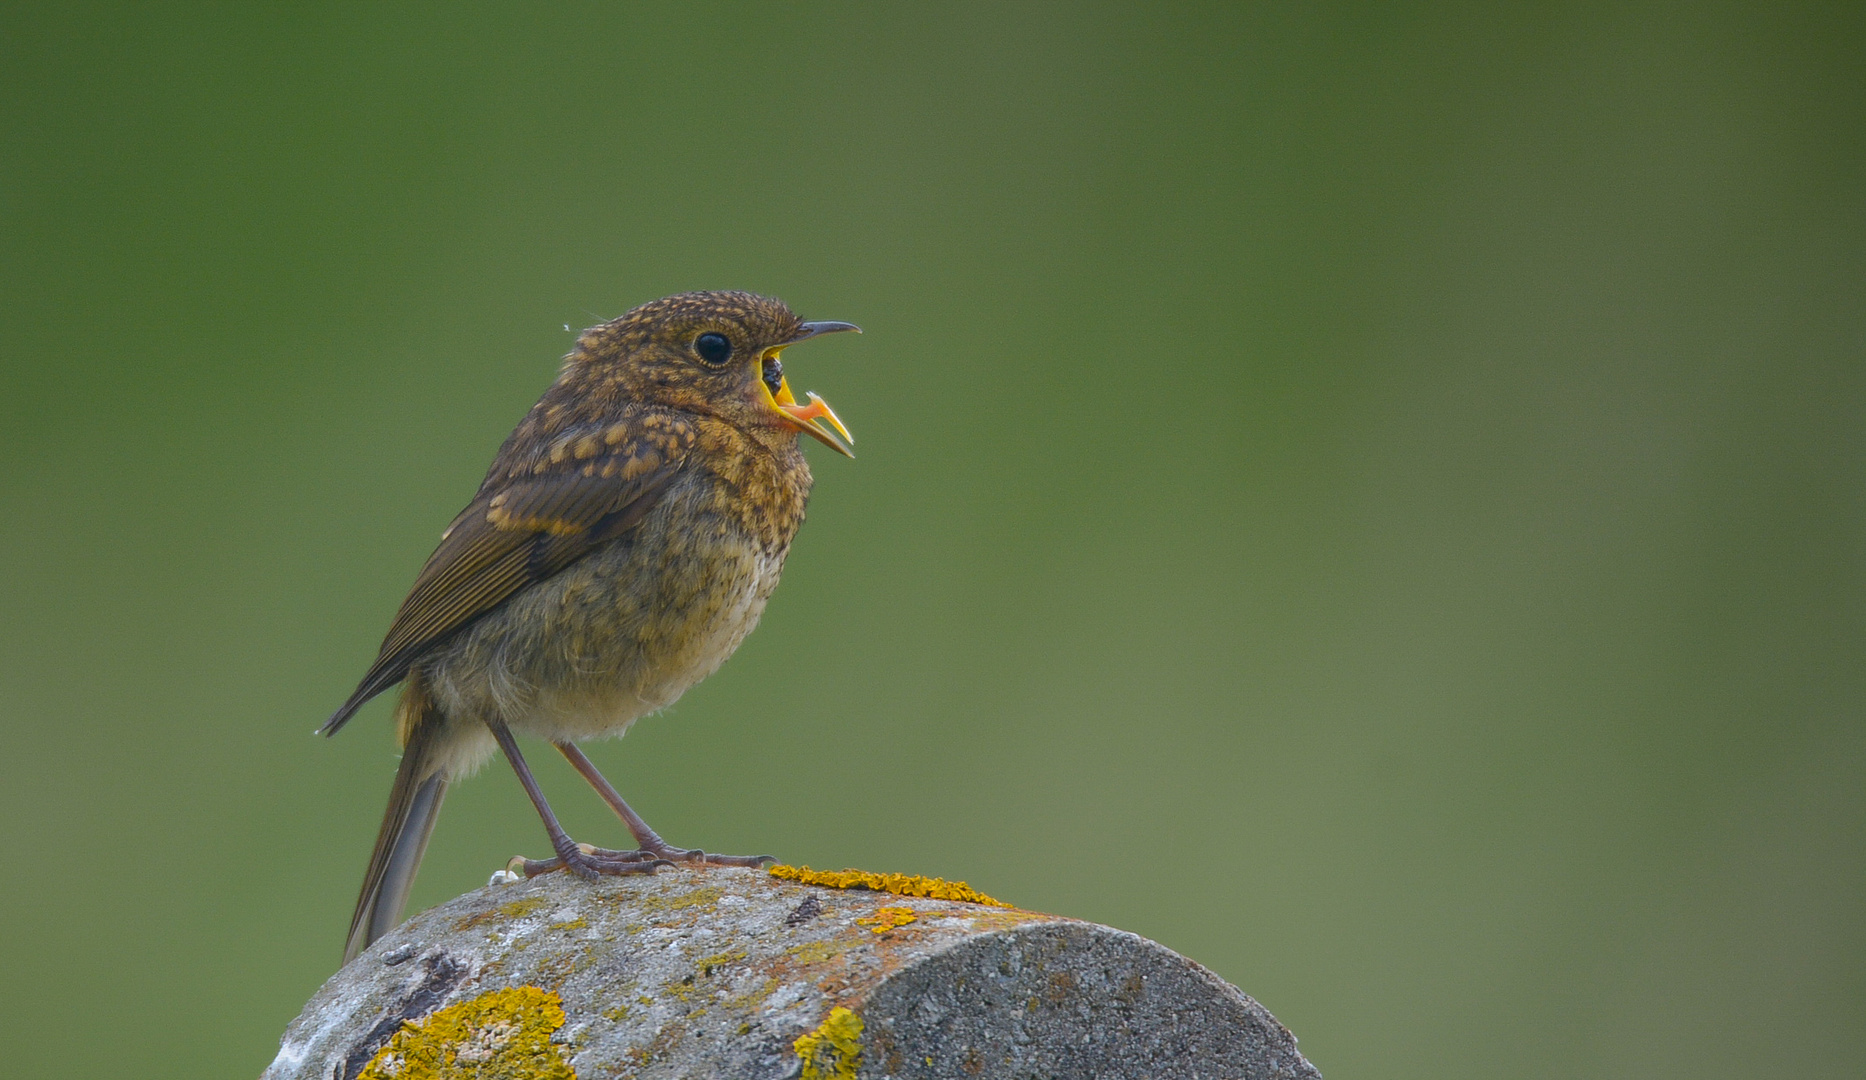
528, 522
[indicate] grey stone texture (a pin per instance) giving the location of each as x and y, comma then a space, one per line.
716, 973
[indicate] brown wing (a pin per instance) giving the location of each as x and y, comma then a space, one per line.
518, 532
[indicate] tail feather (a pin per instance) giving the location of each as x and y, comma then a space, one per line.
414, 804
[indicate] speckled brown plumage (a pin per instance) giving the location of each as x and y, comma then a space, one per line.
623, 543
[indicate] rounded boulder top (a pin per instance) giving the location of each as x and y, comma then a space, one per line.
747, 974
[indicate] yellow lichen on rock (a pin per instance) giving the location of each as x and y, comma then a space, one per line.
815, 952
719, 960
502, 1035
517, 909
899, 884
834, 1050
698, 901
886, 919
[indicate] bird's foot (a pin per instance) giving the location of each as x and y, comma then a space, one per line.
589, 862
696, 857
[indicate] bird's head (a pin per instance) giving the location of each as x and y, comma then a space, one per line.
711, 353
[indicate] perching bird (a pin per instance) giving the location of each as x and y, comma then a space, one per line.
622, 545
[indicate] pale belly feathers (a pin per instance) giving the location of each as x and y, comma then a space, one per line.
618, 635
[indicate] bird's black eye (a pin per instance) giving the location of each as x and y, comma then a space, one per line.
713, 348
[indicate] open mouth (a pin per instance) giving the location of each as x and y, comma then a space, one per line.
773, 374
816, 419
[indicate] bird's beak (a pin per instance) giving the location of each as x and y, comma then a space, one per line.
805, 417
814, 329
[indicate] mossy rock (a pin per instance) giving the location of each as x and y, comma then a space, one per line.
739, 974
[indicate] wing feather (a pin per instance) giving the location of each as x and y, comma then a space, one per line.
518, 531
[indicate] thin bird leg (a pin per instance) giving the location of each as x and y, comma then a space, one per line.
570, 854
651, 844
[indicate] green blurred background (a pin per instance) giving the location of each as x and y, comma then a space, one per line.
1369, 496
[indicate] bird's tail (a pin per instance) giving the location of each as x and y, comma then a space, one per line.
414, 804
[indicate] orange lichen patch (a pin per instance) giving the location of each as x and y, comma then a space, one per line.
502, 1035
834, 1050
899, 884
886, 919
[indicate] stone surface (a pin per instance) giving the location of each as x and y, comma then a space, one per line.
719, 973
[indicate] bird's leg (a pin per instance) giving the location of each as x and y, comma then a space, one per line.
649, 842
588, 864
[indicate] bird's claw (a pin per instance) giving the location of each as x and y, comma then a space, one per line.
590, 863
696, 857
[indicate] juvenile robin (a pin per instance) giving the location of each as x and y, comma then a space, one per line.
623, 543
